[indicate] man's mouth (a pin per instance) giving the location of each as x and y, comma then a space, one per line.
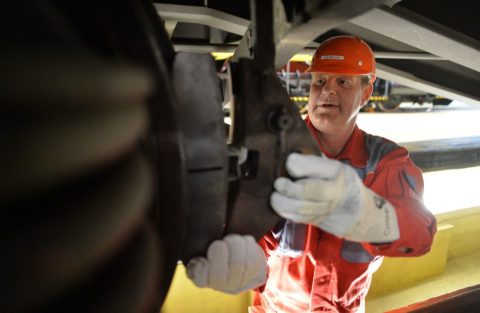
326, 105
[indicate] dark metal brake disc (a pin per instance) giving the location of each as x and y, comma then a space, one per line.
201, 120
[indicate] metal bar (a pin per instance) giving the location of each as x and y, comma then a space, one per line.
264, 49
407, 56
202, 15
245, 47
407, 79
170, 27
435, 155
411, 30
324, 17
207, 48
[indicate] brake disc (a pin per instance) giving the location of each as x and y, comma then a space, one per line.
200, 117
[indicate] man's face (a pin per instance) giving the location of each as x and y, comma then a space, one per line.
335, 101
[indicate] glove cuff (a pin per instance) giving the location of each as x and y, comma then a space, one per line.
377, 222
360, 214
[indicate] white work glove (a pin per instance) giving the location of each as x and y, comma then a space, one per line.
330, 195
233, 265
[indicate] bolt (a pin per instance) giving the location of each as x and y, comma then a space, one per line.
280, 120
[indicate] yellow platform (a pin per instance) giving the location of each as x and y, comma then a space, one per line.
185, 297
453, 263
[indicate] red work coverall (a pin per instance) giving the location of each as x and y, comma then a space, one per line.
311, 270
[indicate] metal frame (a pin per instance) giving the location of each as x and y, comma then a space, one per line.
324, 17
413, 31
408, 79
409, 48
202, 15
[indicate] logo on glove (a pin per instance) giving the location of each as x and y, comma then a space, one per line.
379, 202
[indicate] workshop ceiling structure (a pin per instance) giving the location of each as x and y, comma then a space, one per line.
428, 45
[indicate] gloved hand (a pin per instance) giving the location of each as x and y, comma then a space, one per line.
331, 196
233, 265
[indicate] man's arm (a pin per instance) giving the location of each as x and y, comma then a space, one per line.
330, 195
400, 182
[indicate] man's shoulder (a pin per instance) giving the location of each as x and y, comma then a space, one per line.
376, 144
382, 149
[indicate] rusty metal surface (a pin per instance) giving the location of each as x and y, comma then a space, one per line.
267, 123
262, 106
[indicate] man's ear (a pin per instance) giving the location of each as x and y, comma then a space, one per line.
366, 94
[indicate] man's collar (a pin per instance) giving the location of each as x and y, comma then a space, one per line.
353, 151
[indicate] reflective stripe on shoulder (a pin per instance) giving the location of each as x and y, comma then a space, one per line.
377, 147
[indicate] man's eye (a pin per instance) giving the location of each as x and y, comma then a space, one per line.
344, 82
319, 82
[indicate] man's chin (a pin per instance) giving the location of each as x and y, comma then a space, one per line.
324, 124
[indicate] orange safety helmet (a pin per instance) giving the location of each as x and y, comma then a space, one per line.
348, 55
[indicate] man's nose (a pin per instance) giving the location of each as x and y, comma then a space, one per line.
329, 87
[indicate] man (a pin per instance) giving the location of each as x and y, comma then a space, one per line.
343, 212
